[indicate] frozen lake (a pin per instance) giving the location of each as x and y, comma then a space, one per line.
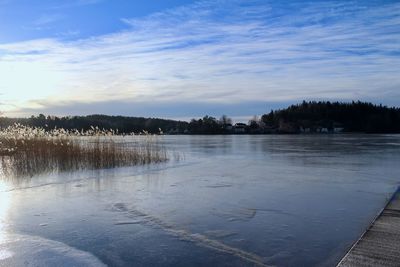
274, 200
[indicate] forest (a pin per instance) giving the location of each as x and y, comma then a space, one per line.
348, 117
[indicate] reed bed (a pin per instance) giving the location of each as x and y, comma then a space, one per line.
26, 151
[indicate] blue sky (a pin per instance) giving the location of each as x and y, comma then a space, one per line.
183, 59
72, 19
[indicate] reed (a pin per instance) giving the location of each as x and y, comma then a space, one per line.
26, 151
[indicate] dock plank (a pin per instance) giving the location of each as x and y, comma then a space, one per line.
380, 244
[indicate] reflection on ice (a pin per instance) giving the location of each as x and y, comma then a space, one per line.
5, 202
5, 254
20, 250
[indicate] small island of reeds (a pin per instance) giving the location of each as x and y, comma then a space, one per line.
26, 151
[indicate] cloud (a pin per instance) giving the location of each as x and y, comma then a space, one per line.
47, 19
219, 53
76, 3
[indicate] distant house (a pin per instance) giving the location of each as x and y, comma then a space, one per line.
305, 130
228, 127
240, 128
172, 131
269, 129
287, 127
338, 129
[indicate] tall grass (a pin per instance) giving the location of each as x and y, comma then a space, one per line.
26, 151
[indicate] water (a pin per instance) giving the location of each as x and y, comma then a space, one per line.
229, 201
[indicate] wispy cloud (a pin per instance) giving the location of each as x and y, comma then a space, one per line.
217, 52
75, 3
47, 19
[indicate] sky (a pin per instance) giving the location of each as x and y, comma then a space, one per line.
184, 59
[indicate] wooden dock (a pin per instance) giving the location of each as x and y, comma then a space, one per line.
380, 244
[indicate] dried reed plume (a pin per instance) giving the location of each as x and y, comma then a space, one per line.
26, 151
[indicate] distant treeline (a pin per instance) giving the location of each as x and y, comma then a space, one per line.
307, 117
334, 116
